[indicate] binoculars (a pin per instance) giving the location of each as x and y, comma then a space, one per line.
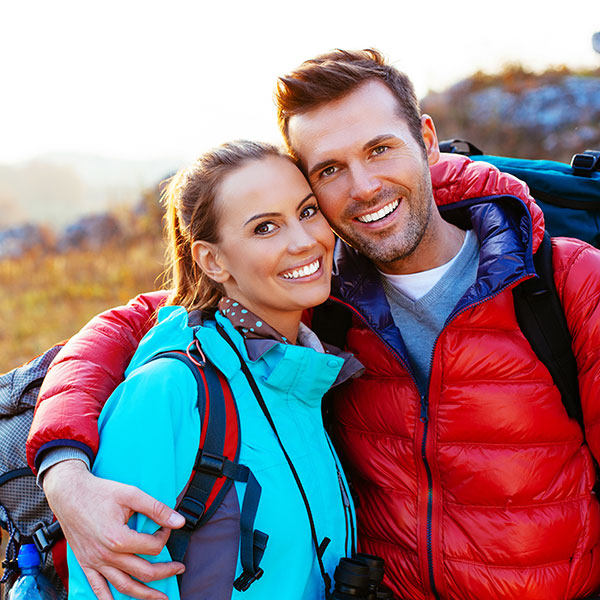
360, 578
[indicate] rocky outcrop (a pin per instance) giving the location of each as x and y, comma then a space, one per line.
90, 233
22, 239
553, 115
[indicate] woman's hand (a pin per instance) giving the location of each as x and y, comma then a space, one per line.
93, 513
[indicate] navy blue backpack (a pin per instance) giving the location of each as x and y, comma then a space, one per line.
569, 195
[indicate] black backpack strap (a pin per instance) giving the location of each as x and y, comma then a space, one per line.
331, 322
458, 146
211, 465
542, 320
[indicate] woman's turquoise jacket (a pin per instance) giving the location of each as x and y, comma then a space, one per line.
149, 435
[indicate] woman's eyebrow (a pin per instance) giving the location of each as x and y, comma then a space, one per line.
261, 216
276, 214
311, 195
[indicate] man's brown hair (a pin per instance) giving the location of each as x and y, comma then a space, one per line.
330, 76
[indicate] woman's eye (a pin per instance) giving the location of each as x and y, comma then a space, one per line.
264, 228
309, 211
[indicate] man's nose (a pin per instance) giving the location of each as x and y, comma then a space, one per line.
364, 184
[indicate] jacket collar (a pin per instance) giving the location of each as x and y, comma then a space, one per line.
503, 226
298, 371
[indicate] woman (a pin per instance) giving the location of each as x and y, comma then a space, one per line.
250, 249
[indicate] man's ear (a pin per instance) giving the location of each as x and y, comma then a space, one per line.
430, 139
207, 257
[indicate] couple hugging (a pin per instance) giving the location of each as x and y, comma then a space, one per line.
469, 479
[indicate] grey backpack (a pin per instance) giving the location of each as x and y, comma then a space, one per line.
24, 511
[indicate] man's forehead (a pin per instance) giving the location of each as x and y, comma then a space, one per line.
369, 111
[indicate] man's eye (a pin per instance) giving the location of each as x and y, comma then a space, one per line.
264, 228
327, 172
379, 149
309, 211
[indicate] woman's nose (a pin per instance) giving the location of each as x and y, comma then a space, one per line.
301, 239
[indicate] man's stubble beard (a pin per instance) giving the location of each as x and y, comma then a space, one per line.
388, 247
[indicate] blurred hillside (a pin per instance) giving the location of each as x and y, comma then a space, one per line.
551, 115
55, 189
54, 280
47, 295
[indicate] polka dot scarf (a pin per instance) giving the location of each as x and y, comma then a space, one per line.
247, 323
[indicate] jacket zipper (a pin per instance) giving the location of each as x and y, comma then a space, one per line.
424, 418
349, 544
429, 522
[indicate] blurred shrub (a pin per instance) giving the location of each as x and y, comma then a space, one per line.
47, 297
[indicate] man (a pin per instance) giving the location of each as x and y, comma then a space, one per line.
472, 482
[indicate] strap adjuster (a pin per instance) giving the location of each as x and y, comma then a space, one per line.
192, 511
44, 537
246, 579
587, 162
211, 464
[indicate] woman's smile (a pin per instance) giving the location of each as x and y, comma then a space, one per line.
275, 248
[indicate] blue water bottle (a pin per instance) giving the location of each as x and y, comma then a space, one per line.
31, 584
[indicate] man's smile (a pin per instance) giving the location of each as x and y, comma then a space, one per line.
380, 214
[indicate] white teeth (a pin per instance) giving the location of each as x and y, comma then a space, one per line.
303, 271
376, 216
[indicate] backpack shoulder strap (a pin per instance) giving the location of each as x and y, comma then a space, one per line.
542, 320
331, 322
216, 467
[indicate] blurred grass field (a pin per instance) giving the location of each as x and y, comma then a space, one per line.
47, 298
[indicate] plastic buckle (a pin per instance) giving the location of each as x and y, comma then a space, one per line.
44, 537
584, 164
192, 510
41, 540
245, 580
211, 464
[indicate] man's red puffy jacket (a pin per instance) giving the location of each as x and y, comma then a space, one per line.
480, 489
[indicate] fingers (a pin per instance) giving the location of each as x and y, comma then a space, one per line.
143, 570
98, 584
129, 587
130, 541
160, 513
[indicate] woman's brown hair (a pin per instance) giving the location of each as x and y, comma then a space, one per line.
192, 215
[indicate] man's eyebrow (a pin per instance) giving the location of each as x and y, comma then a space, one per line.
319, 166
276, 214
378, 139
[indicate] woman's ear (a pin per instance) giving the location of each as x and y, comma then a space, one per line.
207, 257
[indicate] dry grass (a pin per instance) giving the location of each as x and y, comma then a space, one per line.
46, 299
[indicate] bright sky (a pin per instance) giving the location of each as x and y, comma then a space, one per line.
146, 79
